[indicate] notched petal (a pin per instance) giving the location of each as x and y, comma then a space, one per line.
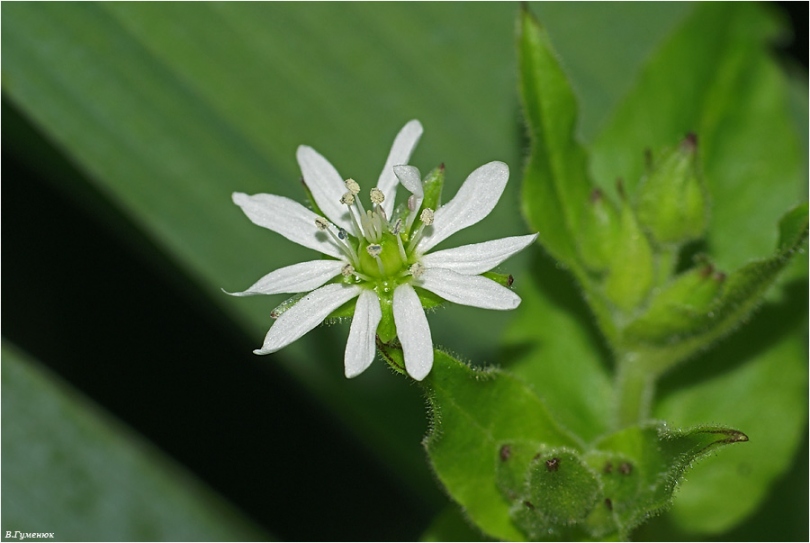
475, 200
478, 257
301, 277
288, 218
413, 332
361, 347
404, 144
472, 290
305, 315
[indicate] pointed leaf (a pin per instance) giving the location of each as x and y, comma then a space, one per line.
556, 187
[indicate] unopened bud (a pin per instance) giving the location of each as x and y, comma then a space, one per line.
630, 274
680, 307
599, 232
672, 203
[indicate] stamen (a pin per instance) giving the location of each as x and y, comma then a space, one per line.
417, 269
347, 198
412, 203
377, 196
426, 217
397, 228
352, 186
341, 239
347, 270
375, 250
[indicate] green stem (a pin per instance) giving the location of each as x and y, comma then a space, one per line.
667, 259
635, 386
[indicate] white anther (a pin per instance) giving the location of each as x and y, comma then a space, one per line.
412, 203
347, 198
427, 216
417, 270
377, 196
397, 228
321, 223
347, 270
352, 186
374, 250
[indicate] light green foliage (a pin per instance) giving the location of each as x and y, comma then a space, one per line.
518, 475
169, 108
475, 412
82, 476
654, 307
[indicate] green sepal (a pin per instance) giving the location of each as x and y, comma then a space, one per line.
600, 232
286, 304
631, 269
681, 306
672, 203
432, 185
503, 279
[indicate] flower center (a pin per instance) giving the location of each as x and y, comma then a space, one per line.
382, 259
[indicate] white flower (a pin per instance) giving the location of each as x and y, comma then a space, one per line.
378, 255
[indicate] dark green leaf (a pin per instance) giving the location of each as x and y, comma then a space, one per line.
69, 470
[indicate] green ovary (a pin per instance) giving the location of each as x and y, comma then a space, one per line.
392, 263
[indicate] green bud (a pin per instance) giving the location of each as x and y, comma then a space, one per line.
672, 204
433, 188
631, 267
600, 232
682, 305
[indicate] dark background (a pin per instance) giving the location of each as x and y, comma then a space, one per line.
73, 292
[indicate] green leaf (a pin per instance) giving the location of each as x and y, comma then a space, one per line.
554, 345
475, 413
556, 188
758, 384
70, 470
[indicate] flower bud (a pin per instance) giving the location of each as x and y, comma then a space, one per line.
680, 306
631, 266
599, 232
672, 204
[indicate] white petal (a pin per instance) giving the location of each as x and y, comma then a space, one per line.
475, 200
478, 257
472, 290
361, 346
400, 153
288, 218
306, 315
413, 332
301, 277
411, 179
325, 184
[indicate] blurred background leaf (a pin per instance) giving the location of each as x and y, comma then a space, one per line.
73, 472
147, 117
